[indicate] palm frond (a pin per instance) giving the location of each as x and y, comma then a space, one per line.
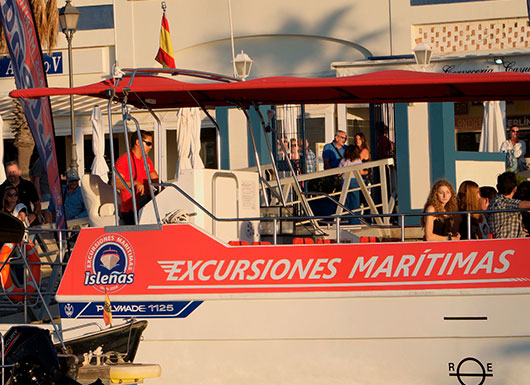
52, 16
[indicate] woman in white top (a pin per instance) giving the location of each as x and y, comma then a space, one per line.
13, 206
516, 150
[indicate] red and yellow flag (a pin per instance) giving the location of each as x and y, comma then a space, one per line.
107, 311
165, 52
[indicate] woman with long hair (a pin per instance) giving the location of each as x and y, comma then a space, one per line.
440, 227
364, 155
468, 198
360, 143
12, 205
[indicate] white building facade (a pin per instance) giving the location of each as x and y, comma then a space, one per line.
293, 38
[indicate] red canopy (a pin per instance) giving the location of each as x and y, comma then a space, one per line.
375, 87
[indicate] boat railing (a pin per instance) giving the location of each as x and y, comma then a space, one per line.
39, 304
382, 220
382, 185
59, 334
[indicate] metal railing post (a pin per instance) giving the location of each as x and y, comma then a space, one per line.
274, 232
402, 218
337, 227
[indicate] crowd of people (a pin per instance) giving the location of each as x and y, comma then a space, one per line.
339, 154
32, 194
493, 223
22, 198
295, 154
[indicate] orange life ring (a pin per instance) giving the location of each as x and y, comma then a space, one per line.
5, 272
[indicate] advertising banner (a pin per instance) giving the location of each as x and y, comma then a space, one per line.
26, 56
181, 262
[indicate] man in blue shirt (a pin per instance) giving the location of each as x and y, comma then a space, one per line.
334, 151
74, 205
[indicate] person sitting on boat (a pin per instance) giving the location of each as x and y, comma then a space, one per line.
487, 195
468, 198
27, 192
333, 152
140, 181
515, 149
74, 204
11, 205
523, 193
507, 224
440, 227
353, 199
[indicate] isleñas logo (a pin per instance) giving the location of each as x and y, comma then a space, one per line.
109, 263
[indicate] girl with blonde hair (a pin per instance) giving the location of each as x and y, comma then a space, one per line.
440, 227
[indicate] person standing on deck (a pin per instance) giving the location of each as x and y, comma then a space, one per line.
517, 148
310, 159
507, 224
140, 181
334, 151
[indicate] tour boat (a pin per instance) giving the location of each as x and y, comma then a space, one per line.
236, 300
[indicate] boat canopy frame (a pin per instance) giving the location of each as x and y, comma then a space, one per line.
145, 89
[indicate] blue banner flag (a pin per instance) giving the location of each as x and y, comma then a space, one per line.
26, 56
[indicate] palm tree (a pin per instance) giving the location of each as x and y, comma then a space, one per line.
46, 16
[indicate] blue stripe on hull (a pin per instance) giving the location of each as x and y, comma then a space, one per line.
164, 309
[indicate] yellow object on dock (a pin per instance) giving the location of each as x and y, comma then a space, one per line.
119, 373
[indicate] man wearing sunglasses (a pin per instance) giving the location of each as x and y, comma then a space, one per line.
140, 181
515, 149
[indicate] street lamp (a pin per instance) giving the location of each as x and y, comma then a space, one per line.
68, 18
422, 54
243, 63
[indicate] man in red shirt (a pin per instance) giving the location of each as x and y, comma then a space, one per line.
140, 181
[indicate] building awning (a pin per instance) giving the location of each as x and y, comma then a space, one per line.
377, 87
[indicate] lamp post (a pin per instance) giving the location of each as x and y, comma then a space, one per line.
422, 54
68, 18
242, 63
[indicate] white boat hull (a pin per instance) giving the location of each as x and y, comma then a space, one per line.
451, 320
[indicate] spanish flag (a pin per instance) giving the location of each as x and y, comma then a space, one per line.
165, 52
107, 311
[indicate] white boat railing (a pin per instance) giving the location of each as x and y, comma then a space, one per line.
385, 185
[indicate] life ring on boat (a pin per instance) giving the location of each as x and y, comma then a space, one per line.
14, 292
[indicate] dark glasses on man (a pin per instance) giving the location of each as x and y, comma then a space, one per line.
148, 143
